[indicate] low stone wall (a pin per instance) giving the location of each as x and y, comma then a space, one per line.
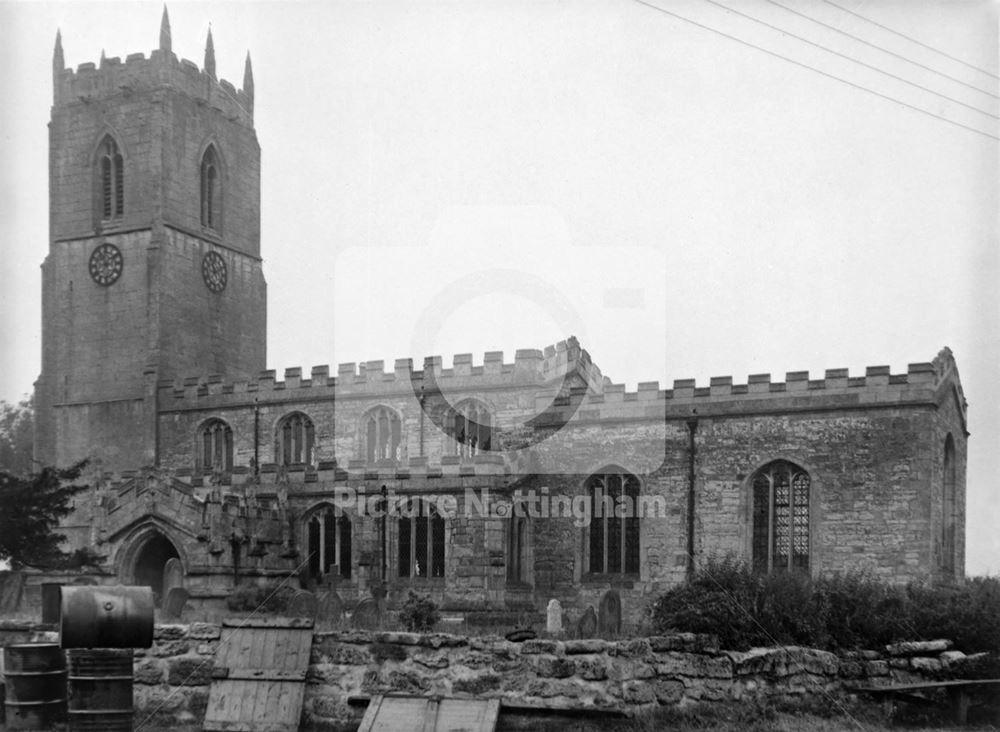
172, 678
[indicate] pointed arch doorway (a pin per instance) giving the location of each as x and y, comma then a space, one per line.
150, 557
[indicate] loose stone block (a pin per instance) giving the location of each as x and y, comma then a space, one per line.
915, 648
691, 664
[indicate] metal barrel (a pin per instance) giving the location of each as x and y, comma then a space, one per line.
100, 690
36, 685
113, 616
51, 599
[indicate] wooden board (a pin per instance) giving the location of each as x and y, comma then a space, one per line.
420, 714
259, 677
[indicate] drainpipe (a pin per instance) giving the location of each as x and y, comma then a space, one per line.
256, 437
692, 425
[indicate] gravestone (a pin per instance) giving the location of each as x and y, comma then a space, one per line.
303, 605
366, 614
173, 575
330, 607
173, 602
609, 614
553, 621
586, 626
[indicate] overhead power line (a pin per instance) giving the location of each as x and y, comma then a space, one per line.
884, 50
812, 68
849, 58
911, 40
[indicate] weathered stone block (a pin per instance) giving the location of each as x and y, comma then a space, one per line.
667, 691
189, 671
692, 664
204, 631
638, 692
539, 646
169, 632
587, 645
477, 685
148, 671
914, 648
554, 667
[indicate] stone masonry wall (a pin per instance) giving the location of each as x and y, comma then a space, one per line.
172, 678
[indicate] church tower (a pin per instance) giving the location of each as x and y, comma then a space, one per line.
154, 268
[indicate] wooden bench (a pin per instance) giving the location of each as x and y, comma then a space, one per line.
959, 693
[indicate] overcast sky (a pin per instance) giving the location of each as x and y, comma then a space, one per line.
444, 178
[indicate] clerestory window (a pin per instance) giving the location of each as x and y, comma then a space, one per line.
382, 435
215, 446
295, 439
470, 425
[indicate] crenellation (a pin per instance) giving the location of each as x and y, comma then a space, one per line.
720, 385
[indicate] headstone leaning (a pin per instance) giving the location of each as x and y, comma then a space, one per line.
303, 605
586, 626
553, 621
173, 602
609, 614
173, 575
366, 614
329, 607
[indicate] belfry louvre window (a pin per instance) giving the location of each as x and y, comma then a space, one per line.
470, 424
420, 540
215, 446
111, 168
329, 544
383, 435
211, 194
780, 518
613, 535
296, 436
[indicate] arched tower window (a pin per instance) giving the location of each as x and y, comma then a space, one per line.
111, 175
215, 446
780, 518
328, 541
613, 535
211, 189
948, 508
295, 438
470, 424
382, 435
420, 540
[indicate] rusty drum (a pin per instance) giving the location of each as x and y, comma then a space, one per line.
36, 685
106, 616
100, 690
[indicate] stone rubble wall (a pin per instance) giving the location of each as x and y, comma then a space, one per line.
172, 678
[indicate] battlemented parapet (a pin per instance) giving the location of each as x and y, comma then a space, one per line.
112, 77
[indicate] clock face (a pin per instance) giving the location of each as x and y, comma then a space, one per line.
106, 264
213, 271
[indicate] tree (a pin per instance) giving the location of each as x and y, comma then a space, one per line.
30, 509
17, 436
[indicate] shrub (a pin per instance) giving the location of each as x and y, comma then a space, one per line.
250, 597
418, 613
840, 611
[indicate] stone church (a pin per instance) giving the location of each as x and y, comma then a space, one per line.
491, 484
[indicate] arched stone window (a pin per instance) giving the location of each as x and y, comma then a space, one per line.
294, 440
948, 508
420, 540
470, 425
111, 179
382, 435
214, 450
613, 535
328, 543
211, 190
780, 518
518, 549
